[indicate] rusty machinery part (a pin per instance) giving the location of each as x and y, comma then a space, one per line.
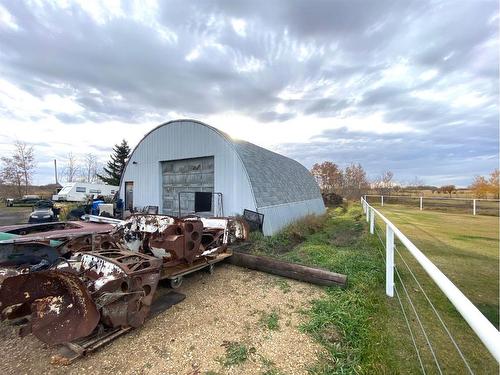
90, 242
8, 272
137, 229
168, 238
60, 305
121, 282
178, 243
218, 233
236, 229
114, 287
181, 240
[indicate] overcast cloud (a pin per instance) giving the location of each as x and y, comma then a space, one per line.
410, 86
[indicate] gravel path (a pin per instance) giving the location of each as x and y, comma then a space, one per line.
189, 338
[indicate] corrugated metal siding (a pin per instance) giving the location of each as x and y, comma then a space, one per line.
277, 217
183, 140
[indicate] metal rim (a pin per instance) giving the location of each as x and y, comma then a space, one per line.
175, 283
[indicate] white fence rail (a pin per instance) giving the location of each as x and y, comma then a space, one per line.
486, 332
473, 206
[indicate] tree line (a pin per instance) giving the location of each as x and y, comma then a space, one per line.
86, 168
18, 169
351, 182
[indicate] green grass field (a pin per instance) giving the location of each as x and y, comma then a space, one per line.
362, 329
465, 249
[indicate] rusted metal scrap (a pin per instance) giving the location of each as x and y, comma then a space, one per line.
59, 304
181, 240
112, 288
63, 230
105, 282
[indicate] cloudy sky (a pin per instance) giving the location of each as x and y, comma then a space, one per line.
409, 86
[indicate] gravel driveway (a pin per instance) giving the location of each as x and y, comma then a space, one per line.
254, 311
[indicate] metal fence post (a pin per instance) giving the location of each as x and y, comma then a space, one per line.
368, 209
474, 207
382, 200
389, 261
372, 221
421, 203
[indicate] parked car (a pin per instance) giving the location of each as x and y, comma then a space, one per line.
43, 212
26, 200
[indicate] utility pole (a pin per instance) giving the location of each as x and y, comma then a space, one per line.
55, 170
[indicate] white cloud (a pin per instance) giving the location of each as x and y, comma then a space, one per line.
428, 74
193, 54
239, 26
6, 19
264, 71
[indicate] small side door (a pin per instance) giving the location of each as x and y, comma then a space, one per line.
129, 195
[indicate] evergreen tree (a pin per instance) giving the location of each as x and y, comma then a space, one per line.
116, 165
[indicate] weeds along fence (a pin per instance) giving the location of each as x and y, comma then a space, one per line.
443, 341
490, 207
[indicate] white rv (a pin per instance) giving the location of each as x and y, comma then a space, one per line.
80, 191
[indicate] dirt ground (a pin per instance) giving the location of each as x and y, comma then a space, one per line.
191, 338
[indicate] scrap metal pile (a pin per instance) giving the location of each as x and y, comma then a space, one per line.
86, 284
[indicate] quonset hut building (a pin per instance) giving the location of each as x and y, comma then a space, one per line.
181, 157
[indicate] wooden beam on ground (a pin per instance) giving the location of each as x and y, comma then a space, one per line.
290, 270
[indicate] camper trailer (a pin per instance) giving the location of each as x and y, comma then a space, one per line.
80, 191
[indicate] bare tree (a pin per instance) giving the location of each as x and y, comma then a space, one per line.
12, 176
71, 168
18, 169
416, 182
354, 181
383, 184
89, 172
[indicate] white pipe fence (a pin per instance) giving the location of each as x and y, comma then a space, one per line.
486, 332
472, 205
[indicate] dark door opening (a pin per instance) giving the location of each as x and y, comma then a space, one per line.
129, 195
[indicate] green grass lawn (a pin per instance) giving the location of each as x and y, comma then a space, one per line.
465, 248
364, 331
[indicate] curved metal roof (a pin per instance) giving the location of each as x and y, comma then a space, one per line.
274, 178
